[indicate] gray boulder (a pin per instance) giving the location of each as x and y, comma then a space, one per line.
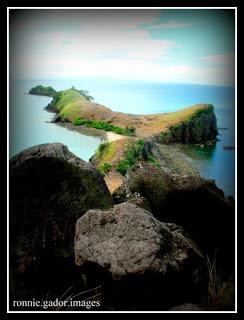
136, 249
49, 189
192, 202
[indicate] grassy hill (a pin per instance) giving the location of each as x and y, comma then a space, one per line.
77, 107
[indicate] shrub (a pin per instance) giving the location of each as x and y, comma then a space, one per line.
102, 147
133, 153
102, 125
131, 156
104, 168
123, 166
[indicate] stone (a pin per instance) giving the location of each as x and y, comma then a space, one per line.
140, 253
192, 202
49, 189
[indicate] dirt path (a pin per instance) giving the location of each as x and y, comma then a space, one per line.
112, 136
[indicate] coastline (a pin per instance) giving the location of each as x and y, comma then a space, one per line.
176, 134
105, 136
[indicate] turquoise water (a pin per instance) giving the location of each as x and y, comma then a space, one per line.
29, 121
29, 125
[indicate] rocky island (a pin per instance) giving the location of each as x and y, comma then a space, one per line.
194, 124
131, 137
136, 228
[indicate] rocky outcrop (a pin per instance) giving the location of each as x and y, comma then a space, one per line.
49, 189
201, 127
146, 252
192, 202
129, 243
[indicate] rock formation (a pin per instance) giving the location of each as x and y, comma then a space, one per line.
145, 247
129, 243
201, 127
50, 188
192, 202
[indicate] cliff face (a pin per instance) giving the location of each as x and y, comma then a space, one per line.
201, 127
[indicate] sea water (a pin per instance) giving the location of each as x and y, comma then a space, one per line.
29, 123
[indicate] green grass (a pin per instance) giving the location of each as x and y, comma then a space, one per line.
102, 125
66, 97
103, 156
105, 152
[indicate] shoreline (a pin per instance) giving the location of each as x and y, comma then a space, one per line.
107, 136
104, 136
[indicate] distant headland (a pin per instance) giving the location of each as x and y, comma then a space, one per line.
190, 125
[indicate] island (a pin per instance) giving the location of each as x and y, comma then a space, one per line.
190, 125
131, 138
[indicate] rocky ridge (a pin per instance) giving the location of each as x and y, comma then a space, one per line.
146, 246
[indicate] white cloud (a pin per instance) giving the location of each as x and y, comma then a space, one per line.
97, 43
220, 59
66, 54
140, 69
170, 25
108, 45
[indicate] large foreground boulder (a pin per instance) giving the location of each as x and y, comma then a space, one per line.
192, 202
49, 189
151, 264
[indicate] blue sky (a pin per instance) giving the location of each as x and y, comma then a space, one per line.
181, 46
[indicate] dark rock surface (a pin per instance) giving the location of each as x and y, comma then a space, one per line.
192, 202
142, 255
49, 189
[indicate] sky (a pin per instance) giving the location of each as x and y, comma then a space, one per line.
166, 45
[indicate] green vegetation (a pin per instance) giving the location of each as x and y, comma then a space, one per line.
76, 106
105, 152
84, 93
103, 126
43, 91
103, 155
133, 153
207, 110
104, 168
64, 98
61, 98
123, 166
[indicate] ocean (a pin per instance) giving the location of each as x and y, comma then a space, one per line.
29, 123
